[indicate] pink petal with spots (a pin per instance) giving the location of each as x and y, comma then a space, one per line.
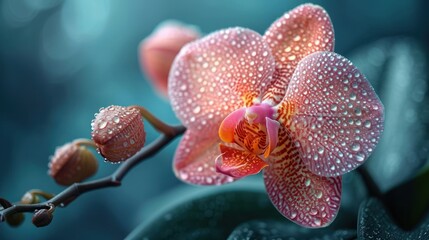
194, 161
301, 196
302, 31
238, 163
336, 116
217, 74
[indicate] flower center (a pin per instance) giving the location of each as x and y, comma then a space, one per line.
252, 128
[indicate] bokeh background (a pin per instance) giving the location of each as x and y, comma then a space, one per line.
61, 60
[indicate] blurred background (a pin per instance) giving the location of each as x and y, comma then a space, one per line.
61, 60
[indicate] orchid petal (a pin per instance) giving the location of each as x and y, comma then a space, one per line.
336, 117
302, 31
217, 74
272, 134
194, 161
227, 127
238, 163
158, 50
301, 196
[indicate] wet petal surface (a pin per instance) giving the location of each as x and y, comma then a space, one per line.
301, 196
194, 160
302, 31
336, 117
217, 74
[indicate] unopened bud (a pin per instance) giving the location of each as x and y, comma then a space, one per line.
118, 132
72, 163
42, 217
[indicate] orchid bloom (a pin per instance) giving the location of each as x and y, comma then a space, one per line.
157, 51
282, 102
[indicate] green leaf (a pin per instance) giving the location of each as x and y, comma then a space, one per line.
208, 213
397, 68
375, 223
409, 202
260, 229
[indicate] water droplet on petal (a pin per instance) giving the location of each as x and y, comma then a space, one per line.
184, 175
360, 157
355, 146
197, 109
102, 124
317, 222
367, 124
334, 107
116, 119
319, 194
307, 182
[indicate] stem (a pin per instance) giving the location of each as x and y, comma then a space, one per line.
156, 123
69, 194
85, 142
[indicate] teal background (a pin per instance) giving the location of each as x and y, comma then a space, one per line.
60, 61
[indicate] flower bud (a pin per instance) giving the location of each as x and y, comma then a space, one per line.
30, 198
72, 163
42, 217
118, 132
158, 51
15, 219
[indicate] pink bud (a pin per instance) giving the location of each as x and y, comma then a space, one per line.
157, 51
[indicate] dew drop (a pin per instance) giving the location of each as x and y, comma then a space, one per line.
102, 124
293, 215
313, 211
307, 182
319, 194
116, 119
197, 109
291, 57
320, 150
355, 147
358, 112
367, 124
317, 221
334, 107
360, 157
184, 175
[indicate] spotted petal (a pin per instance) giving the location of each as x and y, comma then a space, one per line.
302, 31
300, 195
238, 163
335, 115
217, 74
194, 161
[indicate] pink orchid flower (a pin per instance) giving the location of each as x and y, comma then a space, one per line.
157, 51
282, 102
